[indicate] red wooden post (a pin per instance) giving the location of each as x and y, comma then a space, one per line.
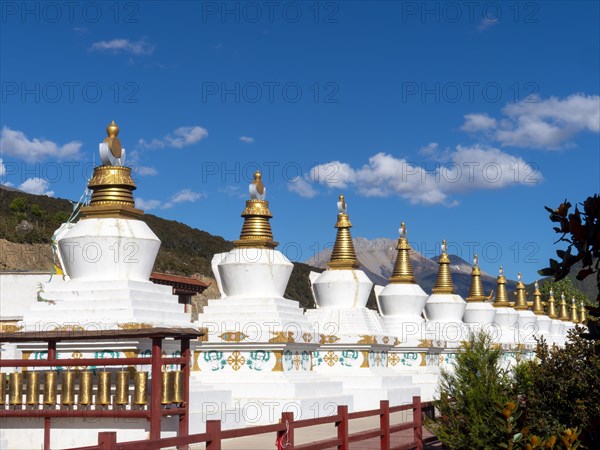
51, 349
47, 433
47, 421
184, 418
342, 428
286, 437
155, 388
384, 424
418, 421
213, 428
107, 440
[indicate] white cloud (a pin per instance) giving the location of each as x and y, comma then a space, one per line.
147, 171
2, 168
185, 195
302, 187
181, 137
16, 143
147, 205
138, 48
333, 174
429, 182
535, 123
247, 139
478, 122
429, 149
487, 22
36, 186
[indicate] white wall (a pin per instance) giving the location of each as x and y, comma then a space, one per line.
18, 290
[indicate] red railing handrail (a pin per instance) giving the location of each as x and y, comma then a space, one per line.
74, 362
285, 429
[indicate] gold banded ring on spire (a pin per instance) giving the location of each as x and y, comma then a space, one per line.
343, 256
476, 293
537, 307
552, 306
112, 187
403, 270
256, 231
521, 295
501, 300
443, 281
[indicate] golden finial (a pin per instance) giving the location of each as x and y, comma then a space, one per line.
521, 301
537, 301
552, 306
501, 300
343, 256
403, 271
258, 183
564, 315
111, 185
582, 313
443, 282
114, 144
112, 129
574, 315
256, 231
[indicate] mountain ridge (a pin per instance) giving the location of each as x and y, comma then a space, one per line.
377, 258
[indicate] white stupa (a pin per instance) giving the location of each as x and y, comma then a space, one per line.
252, 279
259, 344
354, 346
401, 302
565, 320
527, 321
445, 309
556, 325
342, 291
107, 258
507, 318
479, 313
543, 321
574, 316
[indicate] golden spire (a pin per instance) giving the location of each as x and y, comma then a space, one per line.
537, 301
501, 300
112, 186
443, 282
403, 271
476, 293
563, 315
521, 301
582, 313
552, 306
574, 315
343, 256
256, 231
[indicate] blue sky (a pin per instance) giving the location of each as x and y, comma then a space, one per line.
462, 119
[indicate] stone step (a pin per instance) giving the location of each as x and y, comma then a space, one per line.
366, 398
276, 389
136, 301
372, 380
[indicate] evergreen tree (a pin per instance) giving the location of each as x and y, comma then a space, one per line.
470, 396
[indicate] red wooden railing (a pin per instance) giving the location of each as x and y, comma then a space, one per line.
153, 413
284, 431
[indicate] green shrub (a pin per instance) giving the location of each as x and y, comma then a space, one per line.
563, 388
470, 395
